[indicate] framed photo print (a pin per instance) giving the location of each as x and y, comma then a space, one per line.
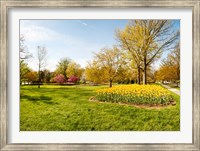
100, 75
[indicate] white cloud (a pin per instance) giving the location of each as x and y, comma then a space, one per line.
39, 33
59, 45
83, 23
35, 33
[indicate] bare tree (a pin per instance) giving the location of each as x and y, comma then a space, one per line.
23, 50
41, 61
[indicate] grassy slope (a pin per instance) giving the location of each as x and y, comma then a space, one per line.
66, 108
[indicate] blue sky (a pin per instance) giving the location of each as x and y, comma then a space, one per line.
75, 39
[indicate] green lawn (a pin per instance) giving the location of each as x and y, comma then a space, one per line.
67, 108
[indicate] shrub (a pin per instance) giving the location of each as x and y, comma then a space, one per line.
59, 79
136, 94
73, 79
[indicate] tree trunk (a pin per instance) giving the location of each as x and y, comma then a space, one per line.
110, 83
39, 78
138, 79
178, 72
145, 71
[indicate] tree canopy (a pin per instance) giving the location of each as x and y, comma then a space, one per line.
62, 67
170, 68
74, 69
145, 40
108, 61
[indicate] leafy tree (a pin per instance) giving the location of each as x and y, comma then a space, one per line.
109, 60
132, 51
173, 59
126, 74
170, 68
74, 69
41, 61
32, 76
46, 75
167, 73
62, 67
95, 73
24, 69
59, 79
151, 74
24, 56
145, 40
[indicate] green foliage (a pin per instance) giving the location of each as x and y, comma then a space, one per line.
46, 76
95, 74
32, 76
62, 67
105, 65
24, 69
74, 69
67, 108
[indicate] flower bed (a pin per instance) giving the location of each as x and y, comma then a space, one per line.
136, 94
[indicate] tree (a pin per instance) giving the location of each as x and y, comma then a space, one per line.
41, 61
170, 68
62, 67
59, 79
46, 75
145, 40
31, 76
95, 73
166, 73
23, 50
174, 59
74, 69
132, 51
24, 56
151, 74
126, 73
109, 59
24, 69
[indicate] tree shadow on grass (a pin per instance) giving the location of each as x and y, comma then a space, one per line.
37, 99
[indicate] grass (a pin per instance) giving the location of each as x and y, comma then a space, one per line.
67, 108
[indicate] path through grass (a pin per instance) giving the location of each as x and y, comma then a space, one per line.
66, 108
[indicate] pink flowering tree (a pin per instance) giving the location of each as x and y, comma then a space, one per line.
73, 79
59, 79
